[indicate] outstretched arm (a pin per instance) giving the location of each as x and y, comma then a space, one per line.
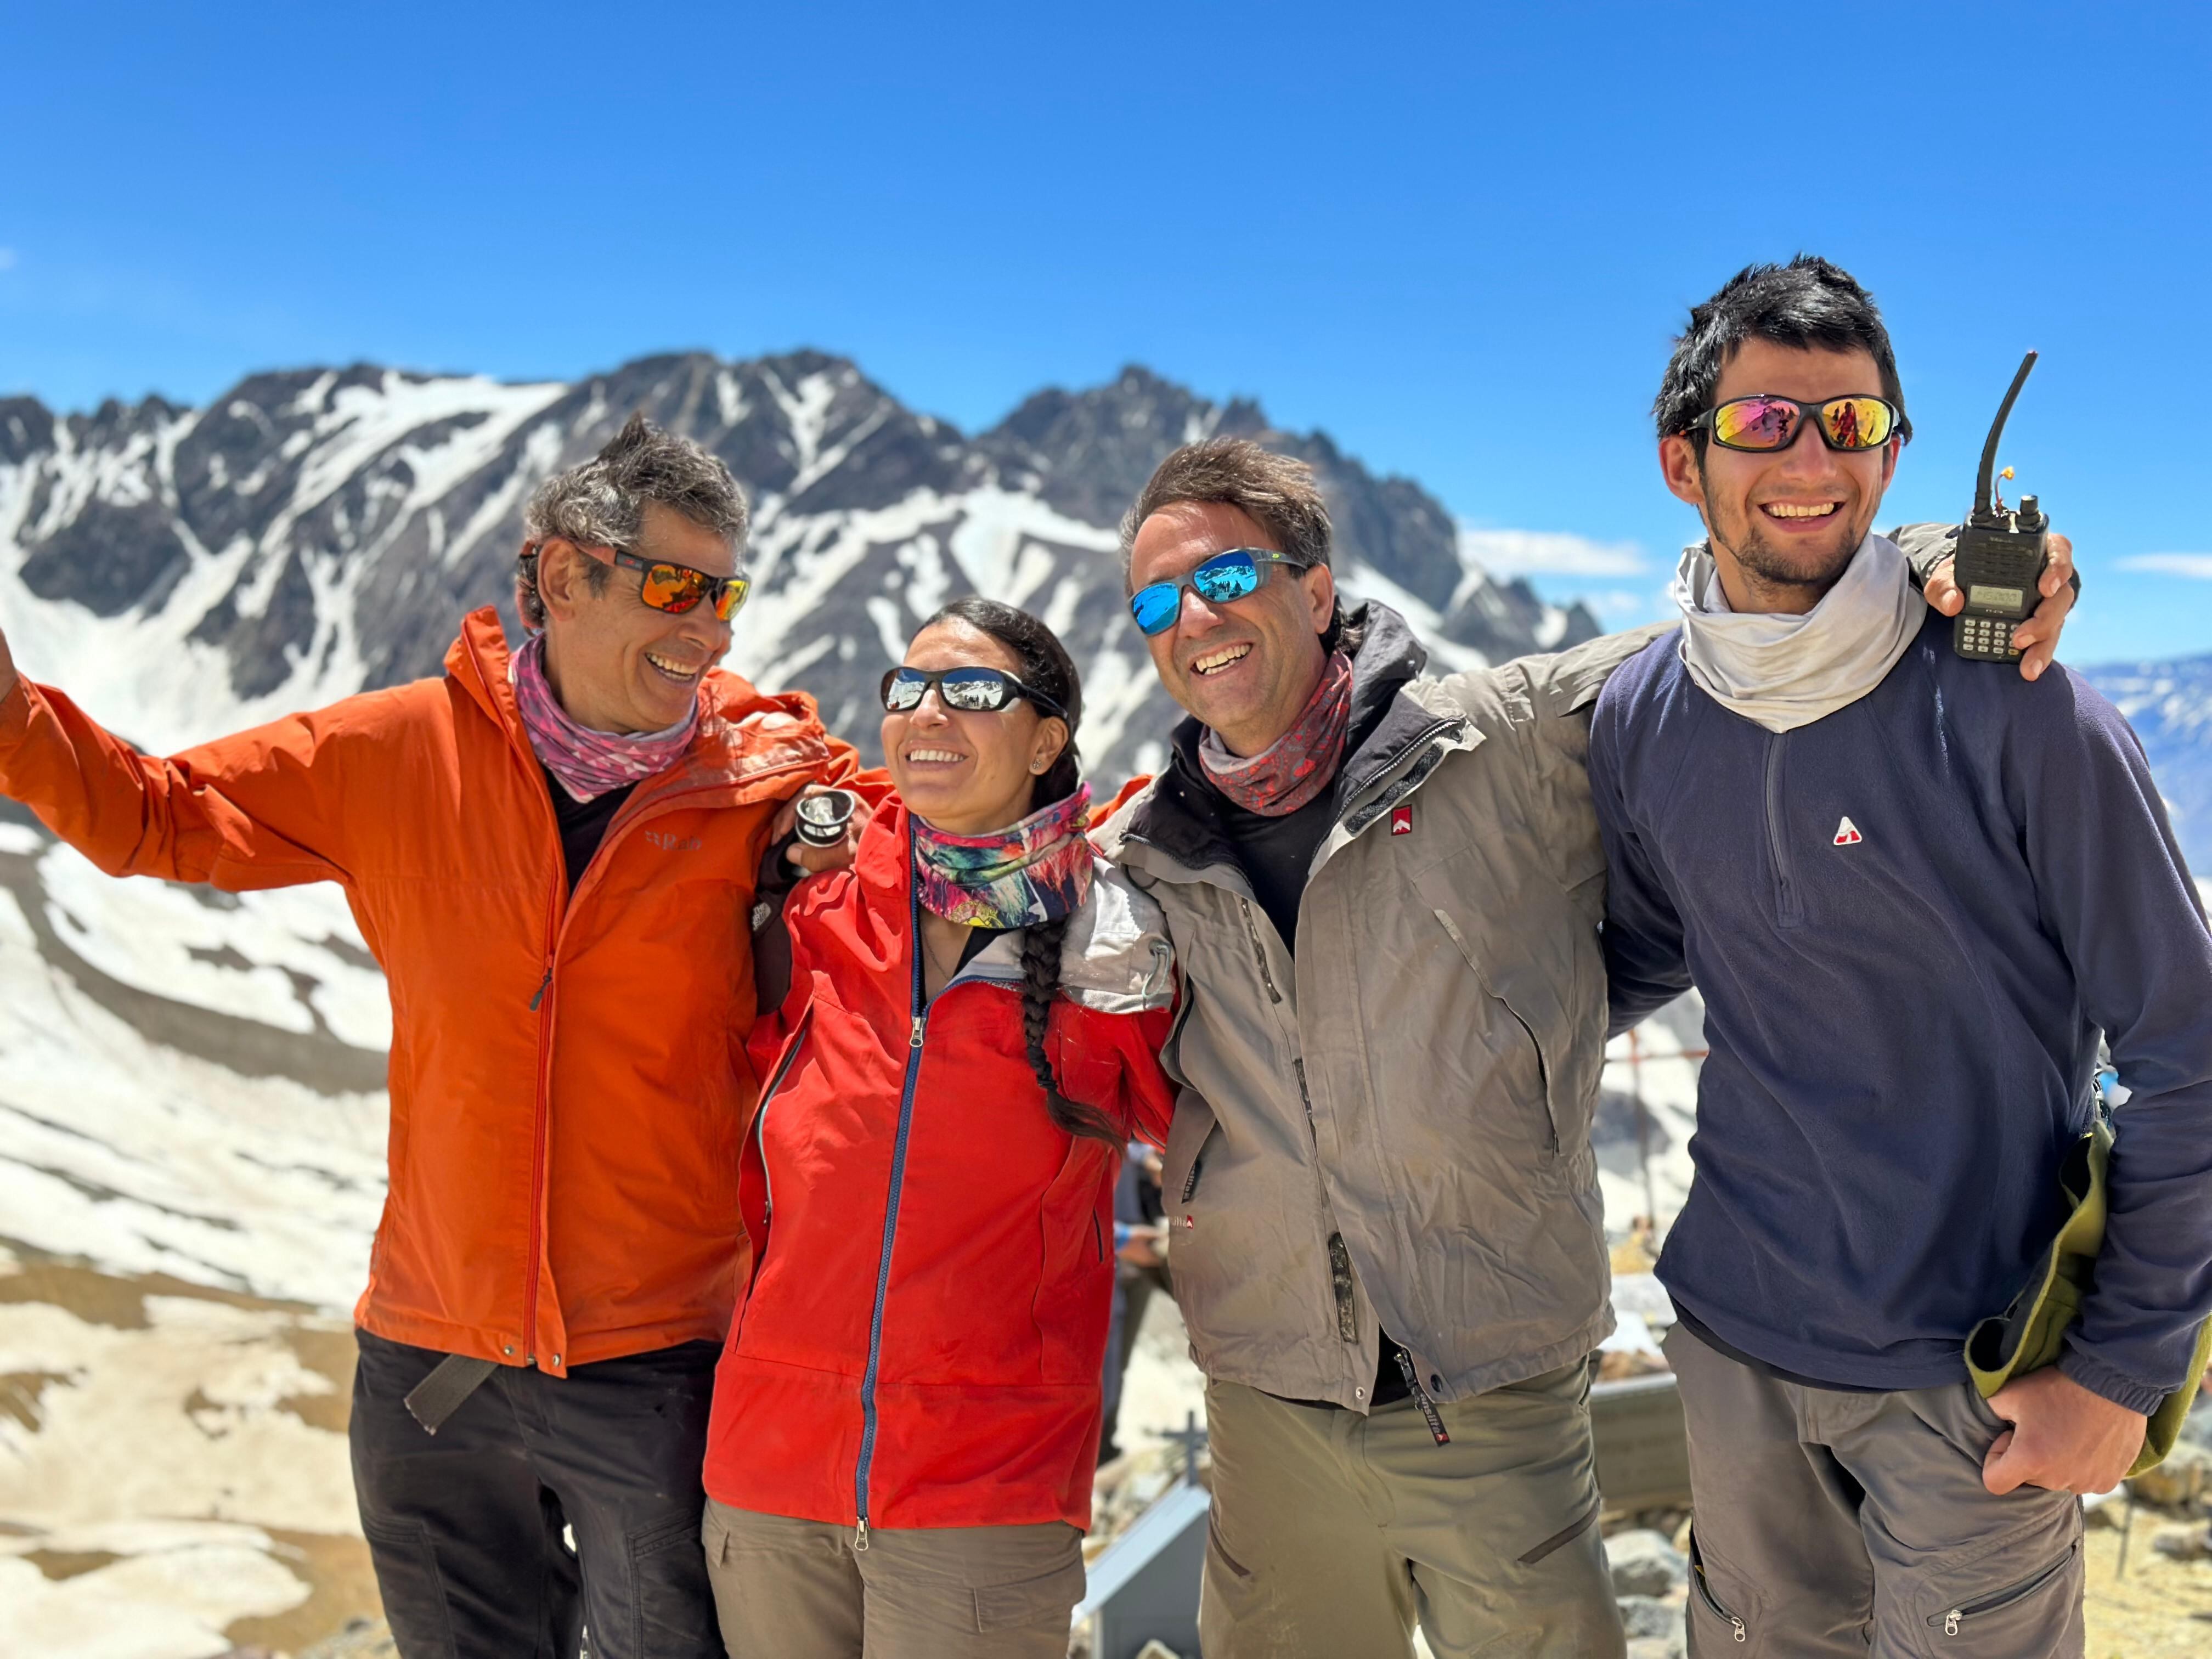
265, 808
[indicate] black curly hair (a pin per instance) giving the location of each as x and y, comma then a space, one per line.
1046, 667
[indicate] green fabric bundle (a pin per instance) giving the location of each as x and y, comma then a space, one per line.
2030, 1334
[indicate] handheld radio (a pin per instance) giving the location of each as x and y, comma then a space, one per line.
2002, 555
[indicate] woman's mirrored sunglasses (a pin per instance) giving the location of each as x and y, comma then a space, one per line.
1231, 576
1766, 423
971, 690
677, 588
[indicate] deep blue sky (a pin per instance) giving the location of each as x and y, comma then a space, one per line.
1459, 238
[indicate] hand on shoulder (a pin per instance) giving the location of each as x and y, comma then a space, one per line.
2037, 637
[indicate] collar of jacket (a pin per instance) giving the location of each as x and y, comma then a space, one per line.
1114, 958
747, 742
1397, 745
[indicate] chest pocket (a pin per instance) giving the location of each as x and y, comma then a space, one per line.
1530, 953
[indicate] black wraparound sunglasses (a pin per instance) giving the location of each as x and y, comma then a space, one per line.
971, 690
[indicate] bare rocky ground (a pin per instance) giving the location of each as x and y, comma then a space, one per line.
174, 1479
173, 1485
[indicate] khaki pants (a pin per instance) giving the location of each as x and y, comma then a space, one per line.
1332, 1532
786, 1589
1831, 1523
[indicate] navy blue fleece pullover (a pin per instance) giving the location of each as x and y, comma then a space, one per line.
1910, 921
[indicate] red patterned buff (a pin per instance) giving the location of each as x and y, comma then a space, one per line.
589, 764
1298, 765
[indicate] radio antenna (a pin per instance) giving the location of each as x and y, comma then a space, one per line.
1985, 484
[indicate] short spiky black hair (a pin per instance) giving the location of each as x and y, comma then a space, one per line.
1807, 305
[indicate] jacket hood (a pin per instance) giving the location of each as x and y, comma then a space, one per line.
1115, 958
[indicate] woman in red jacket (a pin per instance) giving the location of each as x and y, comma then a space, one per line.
907, 1414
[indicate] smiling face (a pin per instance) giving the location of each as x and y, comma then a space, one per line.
1784, 524
1247, 666
616, 664
967, 772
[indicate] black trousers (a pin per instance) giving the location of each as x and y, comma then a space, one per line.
465, 1526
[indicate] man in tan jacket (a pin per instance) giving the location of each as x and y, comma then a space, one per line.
1384, 891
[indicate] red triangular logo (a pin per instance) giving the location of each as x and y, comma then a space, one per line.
1847, 834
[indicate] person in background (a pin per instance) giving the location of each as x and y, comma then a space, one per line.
1916, 891
965, 1032
1140, 1272
525, 843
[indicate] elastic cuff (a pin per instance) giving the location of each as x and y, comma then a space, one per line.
2100, 1379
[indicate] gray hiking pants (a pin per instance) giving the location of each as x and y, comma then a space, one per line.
1834, 1524
1333, 1533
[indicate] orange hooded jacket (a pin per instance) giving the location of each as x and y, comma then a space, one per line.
569, 1085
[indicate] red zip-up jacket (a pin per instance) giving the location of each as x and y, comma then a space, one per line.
923, 1341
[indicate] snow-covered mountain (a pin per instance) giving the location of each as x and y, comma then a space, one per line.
316, 532
2170, 706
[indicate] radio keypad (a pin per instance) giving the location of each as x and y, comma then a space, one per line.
1986, 638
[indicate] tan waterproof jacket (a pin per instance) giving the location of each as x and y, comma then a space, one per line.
1394, 1125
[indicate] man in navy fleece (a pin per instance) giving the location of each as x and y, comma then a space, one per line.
1914, 891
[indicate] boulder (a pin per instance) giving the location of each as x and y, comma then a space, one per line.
2177, 1482
1647, 1616
1644, 1564
2187, 1541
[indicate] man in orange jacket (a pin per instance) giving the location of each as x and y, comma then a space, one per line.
552, 855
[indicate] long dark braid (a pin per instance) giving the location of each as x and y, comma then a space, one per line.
1046, 667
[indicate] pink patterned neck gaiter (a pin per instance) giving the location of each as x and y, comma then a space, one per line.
1298, 765
588, 764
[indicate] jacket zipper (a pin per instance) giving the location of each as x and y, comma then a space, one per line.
1954, 1618
1737, 1628
1785, 892
1429, 1411
920, 1009
1259, 950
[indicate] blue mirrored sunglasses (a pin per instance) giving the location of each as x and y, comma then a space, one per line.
1231, 576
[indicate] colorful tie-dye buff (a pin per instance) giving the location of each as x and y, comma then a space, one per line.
1036, 872
588, 764
1298, 765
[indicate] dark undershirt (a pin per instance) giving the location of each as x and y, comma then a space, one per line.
583, 824
979, 940
1688, 1322
1276, 854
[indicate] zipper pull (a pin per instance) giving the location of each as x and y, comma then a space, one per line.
1743, 1635
1429, 1411
860, 1536
1951, 1622
914, 1042
543, 985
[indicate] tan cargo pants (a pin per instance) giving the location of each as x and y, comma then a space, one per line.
1856, 1525
786, 1589
1332, 1532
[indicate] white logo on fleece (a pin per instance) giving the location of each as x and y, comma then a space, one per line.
1847, 834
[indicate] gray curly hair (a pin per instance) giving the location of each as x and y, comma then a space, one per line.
601, 504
